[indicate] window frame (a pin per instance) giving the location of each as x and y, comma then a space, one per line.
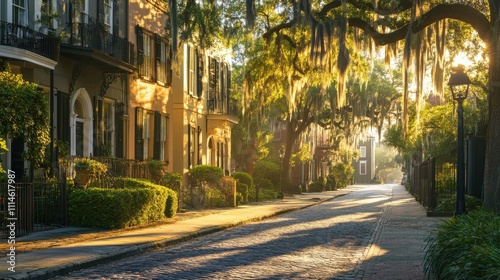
363, 166
154, 57
20, 12
108, 118
146, 134
108, 14
362, 151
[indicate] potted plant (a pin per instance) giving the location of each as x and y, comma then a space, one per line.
86, 169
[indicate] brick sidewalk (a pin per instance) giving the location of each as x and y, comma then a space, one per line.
403, 228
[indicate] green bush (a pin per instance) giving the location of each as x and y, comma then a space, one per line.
465, 247
243, 178
206, 174
138, 202
243, 186
242, 193
267, 194
330, 183
263, 183
317, 186
161, 195
343, 173
447, 203
265, 169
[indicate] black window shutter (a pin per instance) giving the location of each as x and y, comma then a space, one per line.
169, 66
98, 126
157, 136
119, 133
140, 46
63, 127
211, 93
199, 78
116, 16
217, 80
157, 55
139, 128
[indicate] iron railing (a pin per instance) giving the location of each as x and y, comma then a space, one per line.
226, 106
25, 38
121, 168
94, 36
423, 183
431, 181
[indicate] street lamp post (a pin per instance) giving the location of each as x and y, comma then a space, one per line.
459, 85
282, 154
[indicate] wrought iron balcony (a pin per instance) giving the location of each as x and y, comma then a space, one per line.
94, 37
22, 37
223, 106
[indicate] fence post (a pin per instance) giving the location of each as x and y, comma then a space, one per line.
432, 203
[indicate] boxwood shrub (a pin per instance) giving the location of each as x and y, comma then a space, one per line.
245, 182
135, 203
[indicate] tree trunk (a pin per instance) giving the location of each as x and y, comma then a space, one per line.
293, 131
492, 166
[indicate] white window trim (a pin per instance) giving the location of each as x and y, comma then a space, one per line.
25, 13
110, 23
362, 151
361, 163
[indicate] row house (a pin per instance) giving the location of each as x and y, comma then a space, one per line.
116, 90
364, 167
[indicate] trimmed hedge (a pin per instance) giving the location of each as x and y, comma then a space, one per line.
243, 177
317, 186
138, 202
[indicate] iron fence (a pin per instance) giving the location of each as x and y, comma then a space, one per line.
430, 181
34, 206
423, 183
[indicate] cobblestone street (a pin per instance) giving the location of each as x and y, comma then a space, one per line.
326, 241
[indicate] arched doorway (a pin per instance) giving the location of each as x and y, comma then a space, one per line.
81, 124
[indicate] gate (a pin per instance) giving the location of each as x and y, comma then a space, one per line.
30, 206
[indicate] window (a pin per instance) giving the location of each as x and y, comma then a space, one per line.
214, 79
109, 127
362, 167
79, 17
145, 69
19, 12
163, 139
108, 16
153, 57
161, 62
146, 135
192, 71
362, 151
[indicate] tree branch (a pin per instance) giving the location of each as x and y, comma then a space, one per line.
459, 12
363, 5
